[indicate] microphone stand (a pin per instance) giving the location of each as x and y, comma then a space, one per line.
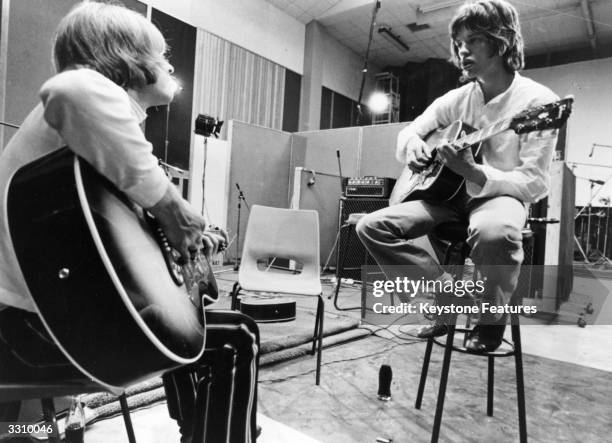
166, 139
10, 125
241, 198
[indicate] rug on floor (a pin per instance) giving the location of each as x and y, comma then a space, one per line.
278, 342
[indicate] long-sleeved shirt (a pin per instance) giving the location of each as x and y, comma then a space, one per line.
518, 166
97, 120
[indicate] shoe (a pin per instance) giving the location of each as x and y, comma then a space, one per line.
433, 331
485, 338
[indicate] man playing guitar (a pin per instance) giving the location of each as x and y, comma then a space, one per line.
112, 66
486, 44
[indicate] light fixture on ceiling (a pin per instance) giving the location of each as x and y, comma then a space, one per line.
417, 27
431, 7
385, 31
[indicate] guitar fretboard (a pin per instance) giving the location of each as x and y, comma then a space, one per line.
483, 134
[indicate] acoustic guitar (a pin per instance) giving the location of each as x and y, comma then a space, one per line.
439, 183
105, 282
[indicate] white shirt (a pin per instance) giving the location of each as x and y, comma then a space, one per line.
514, 165
99, 121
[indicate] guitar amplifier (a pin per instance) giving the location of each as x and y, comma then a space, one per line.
369, 186
351, 253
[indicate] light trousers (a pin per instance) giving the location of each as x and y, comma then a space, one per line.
494, 235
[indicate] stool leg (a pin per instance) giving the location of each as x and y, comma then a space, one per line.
520, 386
125, 410
49, 415
424, 369
448, 349
490, 384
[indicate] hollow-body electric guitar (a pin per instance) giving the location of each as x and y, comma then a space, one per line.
105, 282
437, 182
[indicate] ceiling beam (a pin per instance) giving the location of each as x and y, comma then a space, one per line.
588, 16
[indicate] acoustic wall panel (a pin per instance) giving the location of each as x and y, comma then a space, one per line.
377, 154
259, 162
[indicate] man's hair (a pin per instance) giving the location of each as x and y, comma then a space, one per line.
112, 40
499, 22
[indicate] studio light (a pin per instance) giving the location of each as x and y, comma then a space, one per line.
178, 87
206, 125
378, 102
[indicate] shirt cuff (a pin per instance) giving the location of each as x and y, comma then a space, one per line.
150, 189
492, 174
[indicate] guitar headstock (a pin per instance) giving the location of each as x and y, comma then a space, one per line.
549, 116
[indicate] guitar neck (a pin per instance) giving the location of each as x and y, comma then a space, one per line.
481, 135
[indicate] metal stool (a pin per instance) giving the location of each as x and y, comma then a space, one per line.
456, 233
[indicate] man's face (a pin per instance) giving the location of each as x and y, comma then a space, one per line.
162, 91
477, 54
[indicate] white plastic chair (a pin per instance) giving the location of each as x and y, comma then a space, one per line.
288, 234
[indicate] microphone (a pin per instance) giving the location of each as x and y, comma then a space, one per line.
385, 375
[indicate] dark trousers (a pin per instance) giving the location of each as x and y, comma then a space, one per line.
215, 399
27, 352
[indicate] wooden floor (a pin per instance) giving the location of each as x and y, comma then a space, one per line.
565, 402
567, 375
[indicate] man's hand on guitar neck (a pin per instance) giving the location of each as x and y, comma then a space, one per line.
462, 162
184, 227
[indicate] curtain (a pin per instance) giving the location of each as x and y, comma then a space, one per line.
233, 83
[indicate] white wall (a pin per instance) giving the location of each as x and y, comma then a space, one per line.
255, 25
590, 122
342, 70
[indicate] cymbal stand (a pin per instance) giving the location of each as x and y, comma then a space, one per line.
604, 260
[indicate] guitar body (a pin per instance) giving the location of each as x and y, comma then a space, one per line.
97, 274
436, 182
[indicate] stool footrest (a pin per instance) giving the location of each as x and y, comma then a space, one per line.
463, 350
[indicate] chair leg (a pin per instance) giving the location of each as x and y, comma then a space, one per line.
490, 386
49, 415
520, 386
316, 330
235, 290
125, 410
448, 350
424, 370
320, 309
